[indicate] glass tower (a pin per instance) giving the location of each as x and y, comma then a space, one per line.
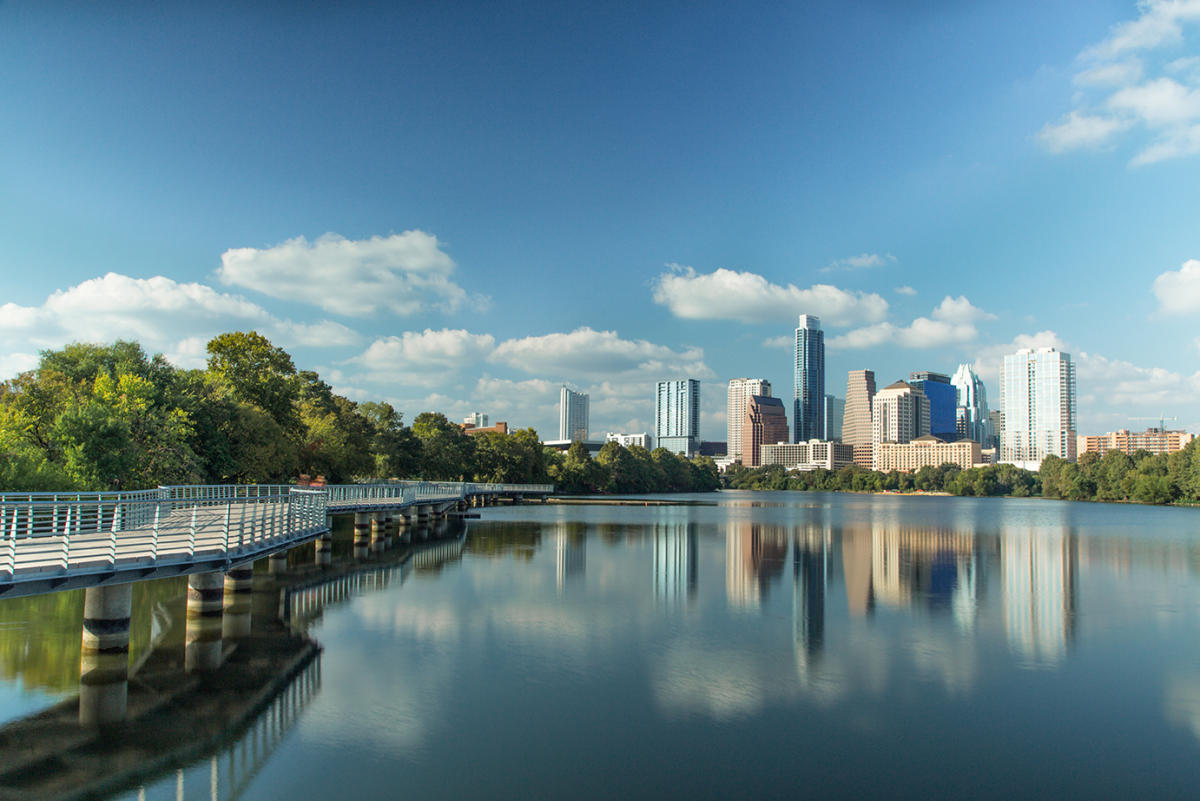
808, 412
1037, 396
677, 416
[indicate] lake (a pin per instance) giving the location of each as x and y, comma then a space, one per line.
760, 645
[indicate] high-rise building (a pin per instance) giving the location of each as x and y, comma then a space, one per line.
765, 424
856, 419
809, 404
997, 419
899, 413
476, 420
572, 415
971, 417
735, 410
1037, 395
835, 410
942, 402
677, 415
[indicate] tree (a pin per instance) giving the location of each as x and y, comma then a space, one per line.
447, 453
396, 449
254, 371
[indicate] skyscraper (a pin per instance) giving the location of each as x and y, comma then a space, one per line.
942, 402
740, 389
572, 415
835, 410
677, 415
971, 417
765, 424
808, 412
856, 420
899, 413
1037, 395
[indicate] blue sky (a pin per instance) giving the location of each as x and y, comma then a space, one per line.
459, 207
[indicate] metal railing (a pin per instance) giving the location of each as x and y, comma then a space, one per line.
80, 533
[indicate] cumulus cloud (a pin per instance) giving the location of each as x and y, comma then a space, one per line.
162, 314
1178, 291
1121, 92
750, 298
400, 273
585, 353
905, 290
779, 342
951, 323
424, 357
862, 261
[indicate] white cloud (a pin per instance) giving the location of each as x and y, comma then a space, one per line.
750, 298
585, 353
1119, 73
1180, 142
440, 349
779, 342
862, 261
951, 323
1080, 131
1160, 102
1178, 291
905, 290
162, 314
400, 273
1158, 25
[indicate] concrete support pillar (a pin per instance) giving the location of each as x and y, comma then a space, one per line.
239, 594
362, 534
379, 525
324, 546
104, 666
205, 605
277, 563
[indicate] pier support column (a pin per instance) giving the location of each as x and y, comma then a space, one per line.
324, 546
379, 523
239, 595
277, 563
362, 534
205, 603
104, 666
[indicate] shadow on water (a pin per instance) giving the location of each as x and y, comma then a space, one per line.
186, 726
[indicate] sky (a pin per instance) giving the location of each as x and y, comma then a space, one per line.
459, 207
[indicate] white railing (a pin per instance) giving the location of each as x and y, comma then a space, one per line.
83, 533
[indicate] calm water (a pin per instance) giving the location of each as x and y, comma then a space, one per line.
773, 645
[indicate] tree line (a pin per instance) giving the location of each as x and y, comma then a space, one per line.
95, 417
1142, 478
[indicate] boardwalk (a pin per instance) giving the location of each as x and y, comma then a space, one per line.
52, 541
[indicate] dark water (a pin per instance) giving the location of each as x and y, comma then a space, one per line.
774, 645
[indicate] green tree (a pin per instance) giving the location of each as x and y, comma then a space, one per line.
447, 453
254, 371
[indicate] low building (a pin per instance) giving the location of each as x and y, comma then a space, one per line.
765, 422
811, 455
1154, 440
593, 446
471, 430
642, 440
926, 451
714, 448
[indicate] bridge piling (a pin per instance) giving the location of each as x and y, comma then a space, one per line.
362, 534
379, 522
205, 604
239, 589
104, 664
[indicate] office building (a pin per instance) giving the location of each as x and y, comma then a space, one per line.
942, 402
765, 424
735, 409
1152, 440
856, 419
572, 415
1037, 396
475, 420
997, 419
835, 410
677, 416
812, 455
642, 440
714, 448
899, 413
972, 420
926, 451
471, 431
808, 409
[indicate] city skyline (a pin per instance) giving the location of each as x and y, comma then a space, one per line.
941, 186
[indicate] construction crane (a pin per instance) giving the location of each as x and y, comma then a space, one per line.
1162, 419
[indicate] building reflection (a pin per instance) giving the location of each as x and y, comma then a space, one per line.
1038, 571
754, 559
675, 555
810, 576
570, 554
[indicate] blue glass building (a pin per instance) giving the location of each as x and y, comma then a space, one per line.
943, 402
808, 411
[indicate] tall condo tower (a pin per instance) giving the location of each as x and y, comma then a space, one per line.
677, 416
808, 412
856, 421
899, 413
740, 390
1037, 396
572, 415
835, 410
971, 417
942, 401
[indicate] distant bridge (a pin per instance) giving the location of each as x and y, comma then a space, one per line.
56, 541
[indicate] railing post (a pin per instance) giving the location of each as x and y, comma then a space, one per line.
192, 533
227, 512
